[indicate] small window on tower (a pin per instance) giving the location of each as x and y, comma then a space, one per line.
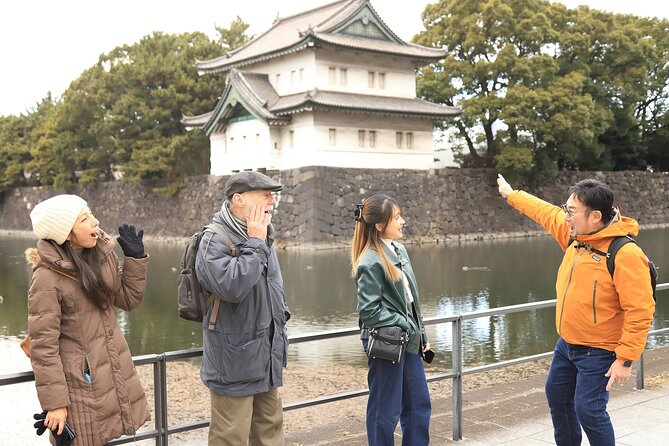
409, 140
398, 140
372, 138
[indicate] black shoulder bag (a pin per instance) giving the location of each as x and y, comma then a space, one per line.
387, 343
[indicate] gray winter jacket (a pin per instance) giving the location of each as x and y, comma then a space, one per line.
248, 348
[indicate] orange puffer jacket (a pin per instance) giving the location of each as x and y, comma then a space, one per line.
594, 309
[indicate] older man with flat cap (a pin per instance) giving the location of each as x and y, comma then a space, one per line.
246, 350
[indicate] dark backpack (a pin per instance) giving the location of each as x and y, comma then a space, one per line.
615, 246
610, 255
191, 298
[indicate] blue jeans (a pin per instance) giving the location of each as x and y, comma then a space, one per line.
577, 396
398, 392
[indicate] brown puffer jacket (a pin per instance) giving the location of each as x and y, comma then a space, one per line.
70, 334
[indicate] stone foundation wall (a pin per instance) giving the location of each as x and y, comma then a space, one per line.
316, 207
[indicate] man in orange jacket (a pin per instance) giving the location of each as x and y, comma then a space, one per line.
602, 321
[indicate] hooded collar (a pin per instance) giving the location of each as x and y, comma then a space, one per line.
619, 225
53, 255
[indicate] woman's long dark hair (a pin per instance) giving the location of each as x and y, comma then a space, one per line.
377, 209
87, 262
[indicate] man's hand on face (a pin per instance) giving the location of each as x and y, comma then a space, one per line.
257, 220
504, 188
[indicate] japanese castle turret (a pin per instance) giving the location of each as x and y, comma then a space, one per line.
333, 86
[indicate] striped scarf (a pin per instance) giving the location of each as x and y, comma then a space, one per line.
232, 222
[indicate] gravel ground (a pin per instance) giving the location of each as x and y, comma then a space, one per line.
188, 399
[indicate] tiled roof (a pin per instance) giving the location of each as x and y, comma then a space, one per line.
260, 98
196, 121
284, 33
253, 89
323, 25
256, 91
350, 101
381, 46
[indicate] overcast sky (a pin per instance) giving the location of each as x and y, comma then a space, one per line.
46, 44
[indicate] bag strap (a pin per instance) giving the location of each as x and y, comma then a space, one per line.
214, 311
403, 338
220, 230
614, 247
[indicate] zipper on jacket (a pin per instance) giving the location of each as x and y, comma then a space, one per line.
564, 296
594, 308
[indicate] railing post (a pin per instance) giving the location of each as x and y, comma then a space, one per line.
639, 374
160, 403
163, 390
457, 379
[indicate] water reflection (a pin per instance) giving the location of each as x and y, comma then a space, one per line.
321, 295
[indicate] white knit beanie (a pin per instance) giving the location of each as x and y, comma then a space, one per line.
54, 218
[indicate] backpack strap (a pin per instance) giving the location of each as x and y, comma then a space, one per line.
220, 230
214, 311
614, 247
589, 248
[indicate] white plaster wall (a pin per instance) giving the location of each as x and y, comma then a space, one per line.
217, 154
244, 145
283, 66
302, 151
271, 149
313, 143
400, 74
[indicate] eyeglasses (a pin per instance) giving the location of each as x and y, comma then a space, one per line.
571, 213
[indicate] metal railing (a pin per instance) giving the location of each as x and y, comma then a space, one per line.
162, 430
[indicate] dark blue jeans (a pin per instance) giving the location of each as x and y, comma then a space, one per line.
577, 396
398, 392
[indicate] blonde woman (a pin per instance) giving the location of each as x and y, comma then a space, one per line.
388, 296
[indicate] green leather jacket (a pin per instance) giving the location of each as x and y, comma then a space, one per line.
382, 303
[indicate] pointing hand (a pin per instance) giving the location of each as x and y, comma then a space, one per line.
504, 188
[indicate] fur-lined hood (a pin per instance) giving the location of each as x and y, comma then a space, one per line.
54, 255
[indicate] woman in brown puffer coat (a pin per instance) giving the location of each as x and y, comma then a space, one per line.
83, 368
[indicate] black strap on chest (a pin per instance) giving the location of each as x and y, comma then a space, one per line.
610, 255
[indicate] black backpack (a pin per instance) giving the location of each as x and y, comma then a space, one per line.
618, 243
610, 255
191, 298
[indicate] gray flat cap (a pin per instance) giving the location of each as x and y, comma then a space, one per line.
245, 181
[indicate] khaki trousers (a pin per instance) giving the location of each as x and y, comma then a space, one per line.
254, 420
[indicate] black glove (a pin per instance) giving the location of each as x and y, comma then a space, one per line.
130, 240
64, 439
39, 425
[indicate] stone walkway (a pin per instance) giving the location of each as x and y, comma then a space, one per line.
516, 414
